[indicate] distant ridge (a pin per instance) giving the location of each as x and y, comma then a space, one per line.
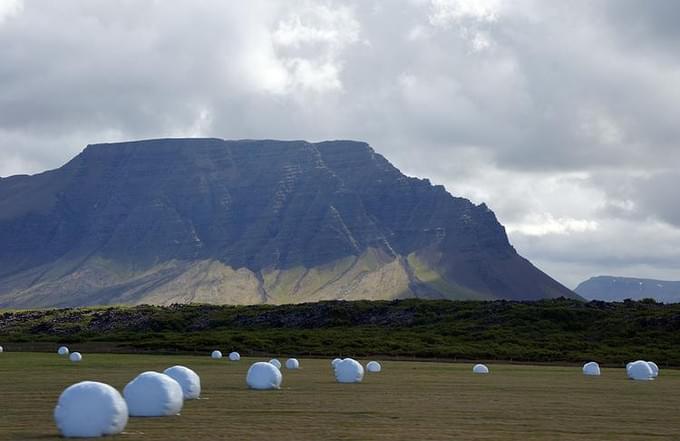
252, 221
616, 289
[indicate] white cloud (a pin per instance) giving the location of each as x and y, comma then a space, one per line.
418, 32
313, 75
310, 42
447, 12
318, 24
468, 17
541, 224
10, 8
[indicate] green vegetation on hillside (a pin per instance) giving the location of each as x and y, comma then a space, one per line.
545, 331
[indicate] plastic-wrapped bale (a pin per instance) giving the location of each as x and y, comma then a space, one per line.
152, 394
1, 349
187, 379
480, 369
263, 376
335, 362
373, 366
234, 356
90, 409
292, 363
63, 350
216, 355
655, 369
75, 357
591, 368
349, 371
275, 362
640, 370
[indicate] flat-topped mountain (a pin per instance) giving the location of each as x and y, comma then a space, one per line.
208, 220
616, 289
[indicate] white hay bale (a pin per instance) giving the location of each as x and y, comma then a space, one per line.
152, 394
591, 368
2, 349
640, 370
655, 369
75, 357
263, 376
349, 371
216, 355
292, 363
187, 379
275, 362
63, 350
480, 369
90, 409
373, 367
234, 356
335, 362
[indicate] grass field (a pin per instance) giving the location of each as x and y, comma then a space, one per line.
407, 401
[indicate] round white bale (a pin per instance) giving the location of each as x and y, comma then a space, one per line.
234, 356
640, 370
335, 362
275, 362
216, 355
373, 367
292, 363
75, 357
152, 394
90, 409
187, 379
480, 369
349, 371
591, 368
263, 376
63, 350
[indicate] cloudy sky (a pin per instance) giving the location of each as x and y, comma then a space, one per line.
563, 116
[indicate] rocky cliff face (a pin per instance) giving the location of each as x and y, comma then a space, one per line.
208, 220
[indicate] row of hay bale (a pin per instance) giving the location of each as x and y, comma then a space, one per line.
640, 370
233, 356
75, 357
637, 370
267, 375
93, 409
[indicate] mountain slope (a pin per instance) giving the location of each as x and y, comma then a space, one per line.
616, 289
208, 220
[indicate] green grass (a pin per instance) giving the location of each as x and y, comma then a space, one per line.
550, 331
407, 401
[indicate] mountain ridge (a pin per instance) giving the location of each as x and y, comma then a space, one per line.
616, 288
247, 221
